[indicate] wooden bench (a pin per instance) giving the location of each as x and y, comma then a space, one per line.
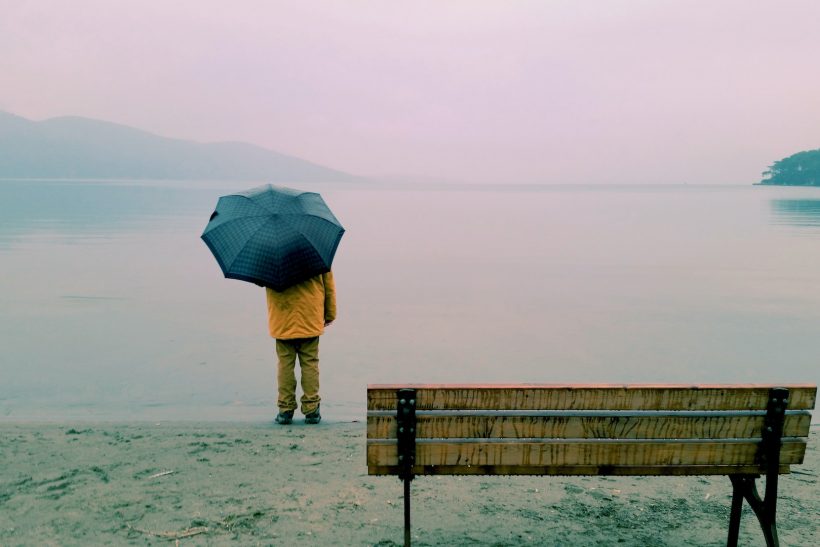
742, 431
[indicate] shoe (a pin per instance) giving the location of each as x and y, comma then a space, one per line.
313, 417
284, 418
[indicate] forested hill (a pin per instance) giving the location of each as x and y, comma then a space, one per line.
72, 147
801, 169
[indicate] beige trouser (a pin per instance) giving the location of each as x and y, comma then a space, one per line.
307, 349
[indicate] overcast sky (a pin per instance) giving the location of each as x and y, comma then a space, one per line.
572, 91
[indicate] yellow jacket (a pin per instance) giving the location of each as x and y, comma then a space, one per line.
302, 310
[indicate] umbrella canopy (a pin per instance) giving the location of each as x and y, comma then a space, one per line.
273, 236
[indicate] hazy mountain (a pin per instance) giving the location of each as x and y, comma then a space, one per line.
73, 147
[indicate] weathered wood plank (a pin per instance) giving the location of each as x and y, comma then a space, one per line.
591, 397
574, 470
586, 453
617, 427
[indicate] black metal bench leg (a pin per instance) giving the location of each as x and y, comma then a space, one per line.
734, 518
406, 512
743, 486
765, 510
770, 509
406, 439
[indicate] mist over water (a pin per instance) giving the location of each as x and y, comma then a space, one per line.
111, 307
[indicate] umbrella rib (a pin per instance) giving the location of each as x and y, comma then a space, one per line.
284, 218
260, 205
248, 239
226, 267
287, 217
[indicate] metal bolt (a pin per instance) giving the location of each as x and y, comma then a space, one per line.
401, 457
785, 401
769, 429
402, 401
412, 401
412, 429
774, 400
401, 430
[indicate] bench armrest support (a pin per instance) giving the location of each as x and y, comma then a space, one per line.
406, 437
744, 487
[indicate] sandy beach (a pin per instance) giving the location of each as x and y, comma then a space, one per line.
262, 484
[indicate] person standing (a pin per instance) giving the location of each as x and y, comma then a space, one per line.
297, 316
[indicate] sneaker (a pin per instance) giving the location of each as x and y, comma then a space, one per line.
313, 417
284, 418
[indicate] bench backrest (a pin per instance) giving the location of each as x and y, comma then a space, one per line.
589, 429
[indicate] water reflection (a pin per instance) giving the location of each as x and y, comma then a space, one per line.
796, 212
73, 210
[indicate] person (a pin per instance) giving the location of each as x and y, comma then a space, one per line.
297, 316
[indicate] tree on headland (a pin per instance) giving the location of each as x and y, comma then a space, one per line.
801, 169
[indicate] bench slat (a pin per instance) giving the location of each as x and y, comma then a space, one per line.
585, 453
576, 470
586, 427
581, 397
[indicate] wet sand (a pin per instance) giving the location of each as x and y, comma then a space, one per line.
262, 484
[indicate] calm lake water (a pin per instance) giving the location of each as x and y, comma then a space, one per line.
112, 308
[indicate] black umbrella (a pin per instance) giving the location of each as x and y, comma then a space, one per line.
273, 236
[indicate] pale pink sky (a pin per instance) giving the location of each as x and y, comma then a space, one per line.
643, 91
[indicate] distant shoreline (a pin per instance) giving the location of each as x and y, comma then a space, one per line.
787, 185
422, 184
